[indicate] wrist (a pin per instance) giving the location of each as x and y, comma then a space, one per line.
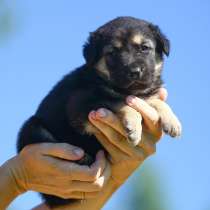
10, 171
8, 184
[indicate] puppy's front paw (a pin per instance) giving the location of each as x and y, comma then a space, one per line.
131, 120
133, 131
171, 125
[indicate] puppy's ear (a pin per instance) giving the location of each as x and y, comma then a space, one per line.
92, 48
163, 44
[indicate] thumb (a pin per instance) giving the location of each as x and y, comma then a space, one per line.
62, 150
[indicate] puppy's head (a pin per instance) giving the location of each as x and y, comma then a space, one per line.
127, 52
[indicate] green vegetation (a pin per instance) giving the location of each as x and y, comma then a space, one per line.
148, 191
6, 21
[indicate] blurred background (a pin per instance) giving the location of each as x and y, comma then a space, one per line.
40, 41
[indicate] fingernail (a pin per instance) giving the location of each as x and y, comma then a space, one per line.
92, 114
130, 99
78, 152
101, 112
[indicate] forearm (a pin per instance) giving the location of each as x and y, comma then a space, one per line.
8, 187
90, 204
97, 202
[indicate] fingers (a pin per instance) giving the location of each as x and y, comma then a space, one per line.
84, 172
68, 193
111, 139
110, 148
108, 118
113, 136
70, 179
83, 190
61, 150
163, 94
148, 143
95, 186
149, 114
81, 195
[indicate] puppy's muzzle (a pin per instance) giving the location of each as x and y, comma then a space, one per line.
135, 72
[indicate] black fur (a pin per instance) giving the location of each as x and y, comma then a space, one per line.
61, 115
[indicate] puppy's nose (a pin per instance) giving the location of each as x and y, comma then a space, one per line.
135, 72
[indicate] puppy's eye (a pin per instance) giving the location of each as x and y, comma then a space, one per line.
143, 48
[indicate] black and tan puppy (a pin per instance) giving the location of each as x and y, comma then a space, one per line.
123, 57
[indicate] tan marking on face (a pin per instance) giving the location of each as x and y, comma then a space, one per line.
137, 39
158, 68
102, 68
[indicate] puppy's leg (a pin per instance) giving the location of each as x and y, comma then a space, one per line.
169, 121
131, 120
33, 131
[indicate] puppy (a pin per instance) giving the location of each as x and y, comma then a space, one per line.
123, 57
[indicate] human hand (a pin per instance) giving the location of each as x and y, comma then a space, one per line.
47, 168
124, 157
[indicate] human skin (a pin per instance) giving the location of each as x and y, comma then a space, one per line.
123, 158
36, 164
19, 174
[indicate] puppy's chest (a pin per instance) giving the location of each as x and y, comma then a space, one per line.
86, 99
90, 98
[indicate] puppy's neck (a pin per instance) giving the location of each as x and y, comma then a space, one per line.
143, 91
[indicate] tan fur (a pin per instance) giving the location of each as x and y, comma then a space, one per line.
131, 120
169, 121
102, 68
137, 39
90, 129
158, 68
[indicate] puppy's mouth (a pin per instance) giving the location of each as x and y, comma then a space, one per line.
135, 84
136, 79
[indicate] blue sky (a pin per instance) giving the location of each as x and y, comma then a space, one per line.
47, 43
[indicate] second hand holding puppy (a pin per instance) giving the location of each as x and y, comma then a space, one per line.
123, 156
